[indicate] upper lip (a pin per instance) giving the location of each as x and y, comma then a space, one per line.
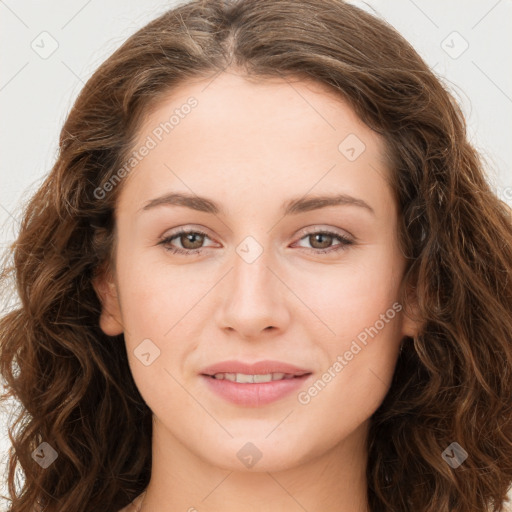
257, 368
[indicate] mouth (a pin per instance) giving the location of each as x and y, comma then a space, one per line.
233, 369
244, 378
255, 390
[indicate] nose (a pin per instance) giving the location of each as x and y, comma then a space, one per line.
255, 300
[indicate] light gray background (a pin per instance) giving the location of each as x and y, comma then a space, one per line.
37, 89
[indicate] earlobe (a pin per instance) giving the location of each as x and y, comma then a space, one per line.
410, 326
411, 319
110, 320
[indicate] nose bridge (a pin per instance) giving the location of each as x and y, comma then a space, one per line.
252, 280
254, 296
252, 277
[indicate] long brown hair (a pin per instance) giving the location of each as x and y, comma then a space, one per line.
452, 384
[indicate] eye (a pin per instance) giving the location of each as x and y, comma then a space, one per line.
323, 240
191, 242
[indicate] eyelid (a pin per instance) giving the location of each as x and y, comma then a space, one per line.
177, 232
194, 228
315, 228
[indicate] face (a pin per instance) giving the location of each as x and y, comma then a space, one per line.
265, 271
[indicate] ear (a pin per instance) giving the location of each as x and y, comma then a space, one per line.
106, 290
411, 321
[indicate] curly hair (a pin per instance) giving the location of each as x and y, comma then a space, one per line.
452, 383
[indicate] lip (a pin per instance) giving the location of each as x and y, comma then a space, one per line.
254, 394
257, 368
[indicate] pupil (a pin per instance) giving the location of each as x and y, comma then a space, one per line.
327, 240
193, 235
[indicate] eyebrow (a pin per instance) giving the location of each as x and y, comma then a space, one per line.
290, 207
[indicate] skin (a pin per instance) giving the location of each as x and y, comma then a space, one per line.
250, 146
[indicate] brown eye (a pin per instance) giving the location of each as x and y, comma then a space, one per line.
320, 240
191, 240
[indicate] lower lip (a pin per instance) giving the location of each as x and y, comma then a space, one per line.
254, 394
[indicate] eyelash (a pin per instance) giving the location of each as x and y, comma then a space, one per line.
188, 252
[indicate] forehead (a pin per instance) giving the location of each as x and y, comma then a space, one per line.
248, 133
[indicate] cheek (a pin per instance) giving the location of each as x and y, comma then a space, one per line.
160, 305
355, 379
360, 308
154, 297
353, 297
154, 307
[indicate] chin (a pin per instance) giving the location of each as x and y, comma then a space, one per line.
256, 455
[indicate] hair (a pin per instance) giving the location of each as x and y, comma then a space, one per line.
452, 382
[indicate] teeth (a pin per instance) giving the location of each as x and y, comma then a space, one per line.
245, 379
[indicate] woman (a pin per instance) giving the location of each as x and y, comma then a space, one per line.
266, 271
